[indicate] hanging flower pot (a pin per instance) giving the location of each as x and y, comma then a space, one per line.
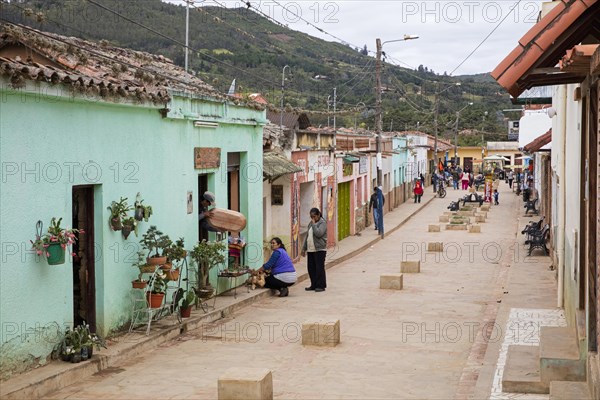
55, 253
155, 299
126, 230
139, 213
115, 224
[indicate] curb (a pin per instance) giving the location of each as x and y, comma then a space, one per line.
68, 374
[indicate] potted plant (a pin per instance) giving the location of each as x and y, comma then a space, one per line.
187, 301
129, 224
155, 240
54, 243
140, 283
207, 255
78, 344
175, 253
156, 295
118, 210
141, 212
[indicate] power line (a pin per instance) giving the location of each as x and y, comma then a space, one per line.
180, 43
487, 37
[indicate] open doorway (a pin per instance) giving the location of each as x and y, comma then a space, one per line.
84, 270
202, 187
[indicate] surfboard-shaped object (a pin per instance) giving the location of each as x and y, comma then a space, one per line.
227, 220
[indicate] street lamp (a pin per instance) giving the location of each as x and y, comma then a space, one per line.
379, 120
282, 96
456, 134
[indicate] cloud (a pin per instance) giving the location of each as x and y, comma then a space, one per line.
448, 30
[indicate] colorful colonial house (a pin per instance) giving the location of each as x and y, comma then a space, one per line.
84, 124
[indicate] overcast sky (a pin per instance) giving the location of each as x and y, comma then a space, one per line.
448, 30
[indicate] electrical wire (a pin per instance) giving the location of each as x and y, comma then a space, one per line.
486, 38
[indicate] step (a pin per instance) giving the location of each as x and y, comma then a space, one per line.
559, 355
563, 390
522, 370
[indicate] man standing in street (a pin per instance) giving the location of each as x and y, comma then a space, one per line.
374, 205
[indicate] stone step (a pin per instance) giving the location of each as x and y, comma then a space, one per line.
522, 370
559, 355
563, 390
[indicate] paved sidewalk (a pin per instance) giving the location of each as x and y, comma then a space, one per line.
56, 375
426, 341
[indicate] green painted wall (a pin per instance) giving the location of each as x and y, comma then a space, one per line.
50, 144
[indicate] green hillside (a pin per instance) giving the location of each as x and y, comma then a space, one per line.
241, 44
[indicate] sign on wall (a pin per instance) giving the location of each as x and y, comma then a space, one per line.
363, 164
207, 157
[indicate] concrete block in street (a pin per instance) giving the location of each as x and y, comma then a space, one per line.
485, 207
475, 229
246, 383
444, 218
456, 227
466, 213
434, 228
479, 218
435, 246
321, 333
390, 281
410, 267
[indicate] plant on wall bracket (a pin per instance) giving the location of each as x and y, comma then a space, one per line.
141, 212
118, 211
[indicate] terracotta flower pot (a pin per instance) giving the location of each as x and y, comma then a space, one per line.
166, 266
156, 260
172, 275
186, 312
155, 299
139, 284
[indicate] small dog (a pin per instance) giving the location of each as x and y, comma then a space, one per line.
257, 279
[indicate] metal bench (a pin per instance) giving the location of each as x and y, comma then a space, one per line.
454, 205
532, 228
530, 205
538, 240
472, 198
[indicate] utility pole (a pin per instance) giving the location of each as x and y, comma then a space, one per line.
282, 96
456, 140
435, 124
379, 120
328, 104
187, 32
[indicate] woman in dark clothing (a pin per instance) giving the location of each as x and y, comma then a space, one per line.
315, 245
283, 273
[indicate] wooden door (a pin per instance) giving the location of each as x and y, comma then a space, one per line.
343, 207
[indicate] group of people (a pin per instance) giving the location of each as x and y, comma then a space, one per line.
280, 268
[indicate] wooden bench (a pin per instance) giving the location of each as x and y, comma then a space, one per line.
538, 240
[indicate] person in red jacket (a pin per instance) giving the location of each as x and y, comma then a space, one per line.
418, 191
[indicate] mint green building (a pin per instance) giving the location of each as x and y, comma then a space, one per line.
83, 124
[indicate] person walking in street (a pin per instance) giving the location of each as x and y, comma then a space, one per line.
418, 191
315, 245
455, 178
510, 178
465, 180
282, 272
373, 203
422, 177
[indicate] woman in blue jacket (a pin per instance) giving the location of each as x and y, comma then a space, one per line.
282, 271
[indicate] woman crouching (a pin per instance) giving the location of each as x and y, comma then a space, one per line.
282, 272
